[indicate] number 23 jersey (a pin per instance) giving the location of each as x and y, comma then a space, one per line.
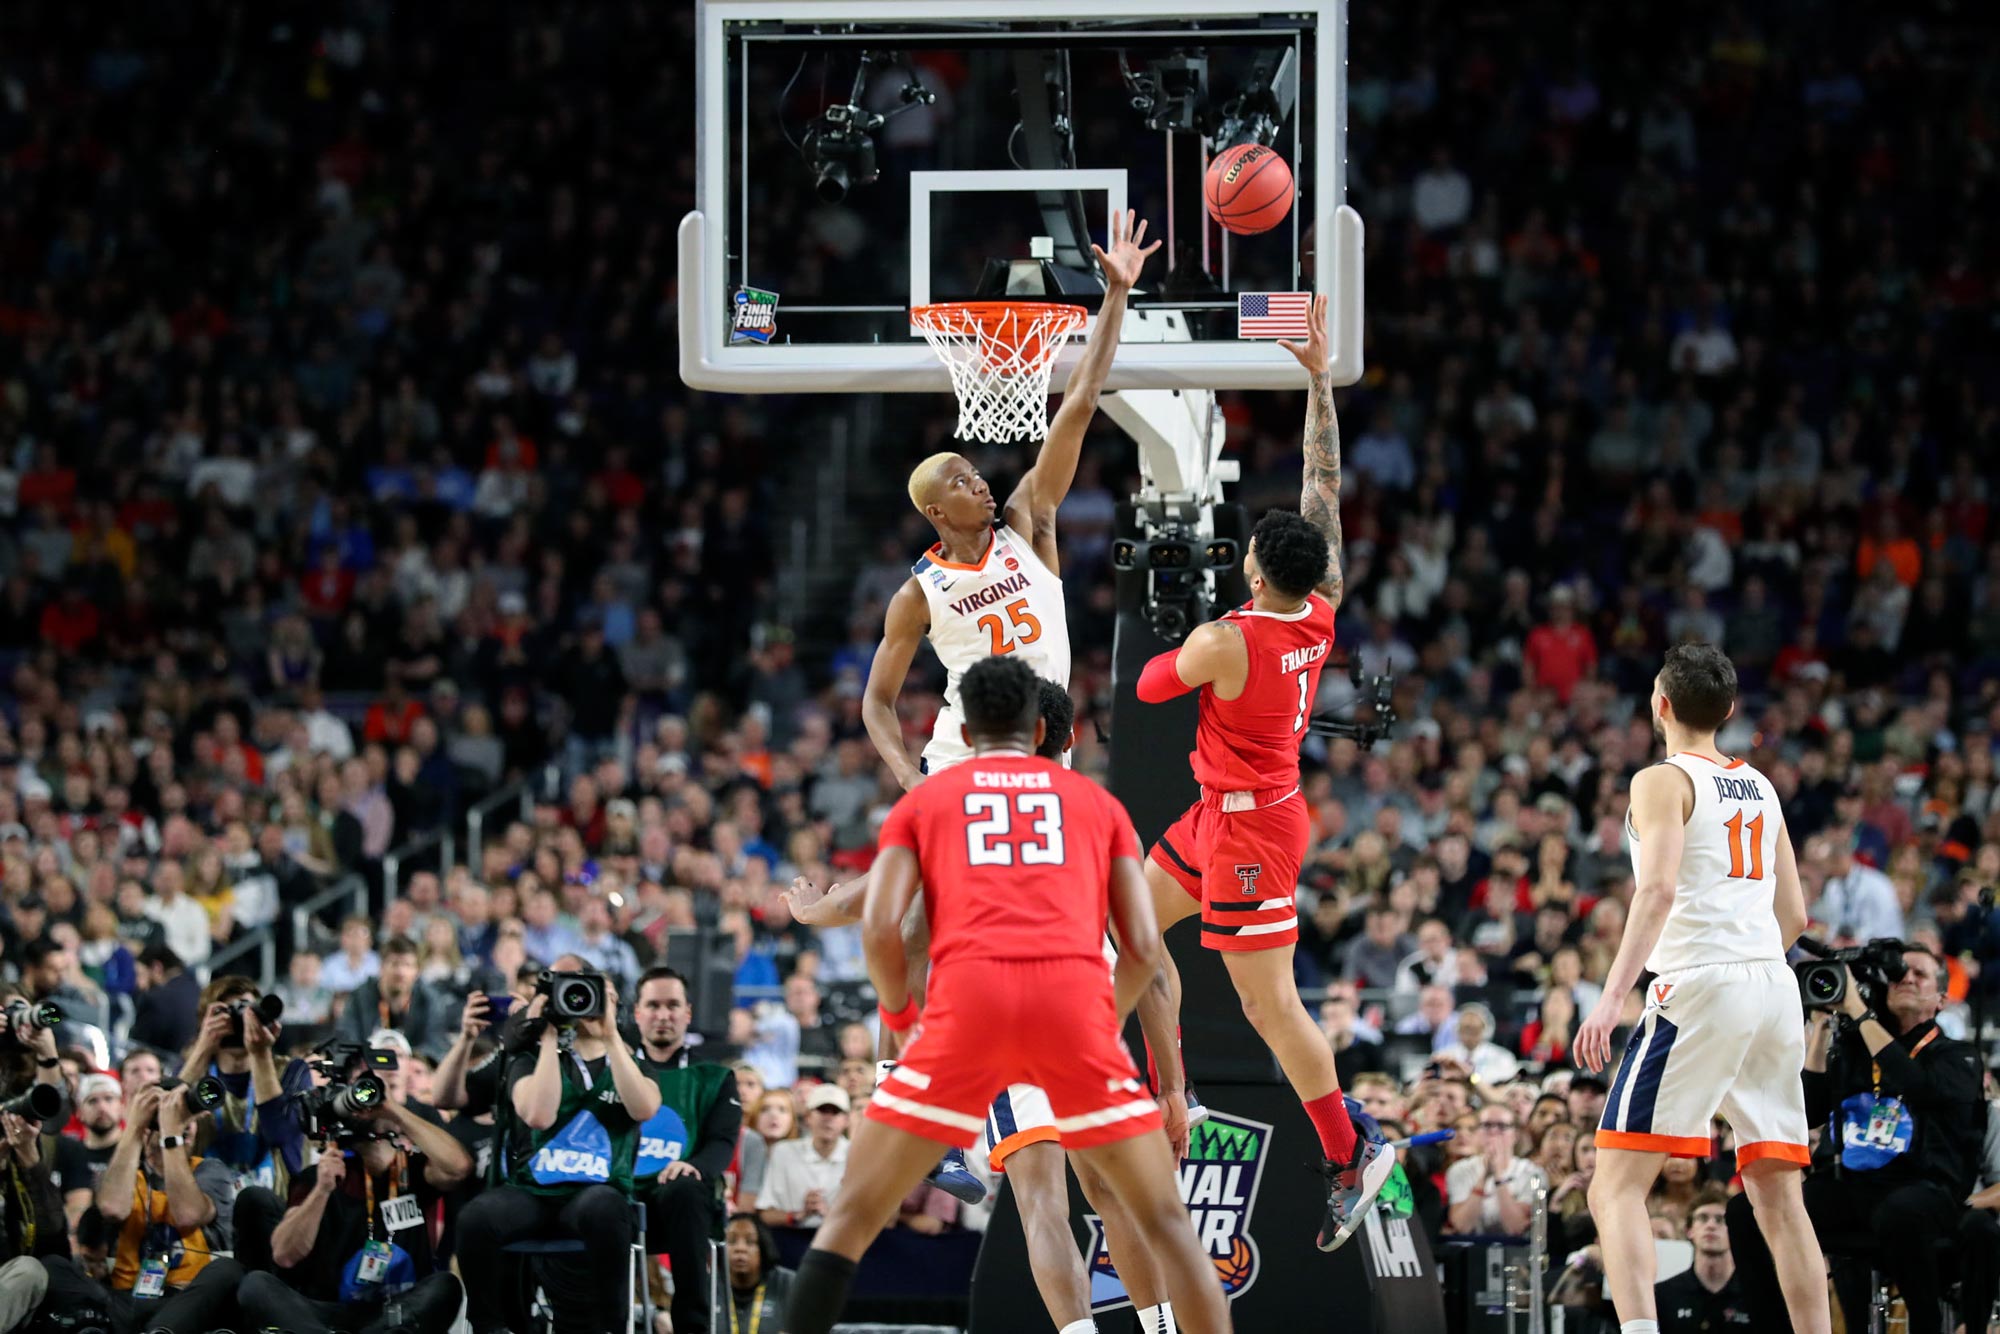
1015, 853
1007, 603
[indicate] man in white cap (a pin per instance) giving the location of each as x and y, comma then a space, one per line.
100, 1106
803, 1175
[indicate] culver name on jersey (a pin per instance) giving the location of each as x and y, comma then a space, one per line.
1007, 603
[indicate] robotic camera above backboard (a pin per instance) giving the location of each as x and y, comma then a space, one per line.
861, 159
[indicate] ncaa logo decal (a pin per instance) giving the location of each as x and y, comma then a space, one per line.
1218, 1181
1247, 874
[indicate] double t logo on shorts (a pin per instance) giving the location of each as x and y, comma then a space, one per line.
1248, 874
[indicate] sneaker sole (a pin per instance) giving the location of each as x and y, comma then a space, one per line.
1374, 1176
1197, 1114
970, 1192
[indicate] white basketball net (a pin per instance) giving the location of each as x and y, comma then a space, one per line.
1000, 355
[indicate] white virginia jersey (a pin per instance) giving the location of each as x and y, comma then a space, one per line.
1723, 896
1008, 603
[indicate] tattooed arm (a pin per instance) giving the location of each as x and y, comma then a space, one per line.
1319, 497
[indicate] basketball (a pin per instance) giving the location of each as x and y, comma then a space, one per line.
1234, 1268
1249, 189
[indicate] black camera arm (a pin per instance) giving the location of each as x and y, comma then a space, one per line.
1381, 695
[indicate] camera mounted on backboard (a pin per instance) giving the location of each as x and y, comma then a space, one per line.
1378, 697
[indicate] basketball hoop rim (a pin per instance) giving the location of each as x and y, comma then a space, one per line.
992, 318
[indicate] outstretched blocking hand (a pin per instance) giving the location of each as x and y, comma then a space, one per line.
1311, 353
1123, 261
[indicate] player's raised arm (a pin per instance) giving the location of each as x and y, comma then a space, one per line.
902, 630
1660, 797
1031, 509
1319, 497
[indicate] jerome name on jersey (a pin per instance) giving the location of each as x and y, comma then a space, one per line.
990, 594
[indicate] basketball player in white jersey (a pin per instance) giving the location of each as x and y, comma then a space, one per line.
1718, 903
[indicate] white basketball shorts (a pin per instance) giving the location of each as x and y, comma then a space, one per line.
1019, 1117
1721, 1037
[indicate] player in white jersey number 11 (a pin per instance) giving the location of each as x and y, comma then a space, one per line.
1717, 904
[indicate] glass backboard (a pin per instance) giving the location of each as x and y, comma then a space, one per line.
859, 157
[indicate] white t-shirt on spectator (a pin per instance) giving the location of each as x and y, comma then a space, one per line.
795, 1167
1519, 1180
1860, 904
186, 925
338, 974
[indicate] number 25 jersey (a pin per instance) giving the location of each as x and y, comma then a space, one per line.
1008, 603
1015, 853
1723, 897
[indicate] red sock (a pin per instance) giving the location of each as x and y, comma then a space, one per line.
1335, 1127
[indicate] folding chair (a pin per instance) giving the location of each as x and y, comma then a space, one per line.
638, 1293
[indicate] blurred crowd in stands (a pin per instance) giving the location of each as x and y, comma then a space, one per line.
344, 480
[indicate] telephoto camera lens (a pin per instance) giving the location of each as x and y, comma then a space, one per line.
38, 1102
37, 1015
363, 1098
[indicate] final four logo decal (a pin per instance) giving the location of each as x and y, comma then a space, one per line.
1219, 1181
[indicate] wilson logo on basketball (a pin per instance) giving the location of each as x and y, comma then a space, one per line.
1218, 1182
1236, 167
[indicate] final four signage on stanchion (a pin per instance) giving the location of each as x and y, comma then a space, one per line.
1254, 1192
1219, 1179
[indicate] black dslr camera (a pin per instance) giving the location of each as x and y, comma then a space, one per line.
32, 1015
1876, 966
572, 996
269, 1009
343, 1108
205, 1095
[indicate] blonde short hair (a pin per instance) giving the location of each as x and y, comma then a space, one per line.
924, 477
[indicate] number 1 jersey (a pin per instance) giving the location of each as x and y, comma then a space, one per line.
1723, 896
1015, 853
1007, 603
1251, 743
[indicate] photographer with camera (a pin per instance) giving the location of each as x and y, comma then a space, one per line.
28, 1053
686, 1147
1907, 1125
257, 1131
575, 1109
31, 1219
169, 1209
354, 1251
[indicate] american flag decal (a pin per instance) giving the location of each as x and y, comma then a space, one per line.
1273, 314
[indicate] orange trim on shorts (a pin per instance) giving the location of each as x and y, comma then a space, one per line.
1020, 1139
1758, 1150
1679, 1146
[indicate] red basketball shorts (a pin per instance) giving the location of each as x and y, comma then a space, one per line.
994, 1022
1242, 866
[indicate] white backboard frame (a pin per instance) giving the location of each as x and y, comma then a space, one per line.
708, 362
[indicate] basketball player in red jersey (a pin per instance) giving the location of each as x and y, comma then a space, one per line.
1235, 854
1021, 861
